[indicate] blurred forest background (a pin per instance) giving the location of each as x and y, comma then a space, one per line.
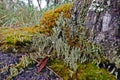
26, 12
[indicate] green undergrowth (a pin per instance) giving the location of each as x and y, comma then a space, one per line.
88, 71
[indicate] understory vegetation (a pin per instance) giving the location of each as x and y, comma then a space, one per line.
72, 58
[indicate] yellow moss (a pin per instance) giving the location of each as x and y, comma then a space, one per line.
48, 21
31, 30
16, 36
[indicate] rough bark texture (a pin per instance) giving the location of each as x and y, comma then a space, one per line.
78, 13
103, 22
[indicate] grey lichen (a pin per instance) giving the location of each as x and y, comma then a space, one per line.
96, 6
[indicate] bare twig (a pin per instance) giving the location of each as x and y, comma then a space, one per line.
54, 73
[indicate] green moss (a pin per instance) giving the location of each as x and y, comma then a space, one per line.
60, 68
16, 37
92, 72
87, 71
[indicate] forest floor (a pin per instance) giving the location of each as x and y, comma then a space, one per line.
28, 73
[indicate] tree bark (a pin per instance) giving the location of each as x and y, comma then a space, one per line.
103, 22
78, 13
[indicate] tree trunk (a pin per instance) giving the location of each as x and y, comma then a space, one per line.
47, 1
56, 2
29, 2
39, 3
103, 22
78, 13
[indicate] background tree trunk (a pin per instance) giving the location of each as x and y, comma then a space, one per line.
103, 22
56, 2
47, 1
39, 3
29, 2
